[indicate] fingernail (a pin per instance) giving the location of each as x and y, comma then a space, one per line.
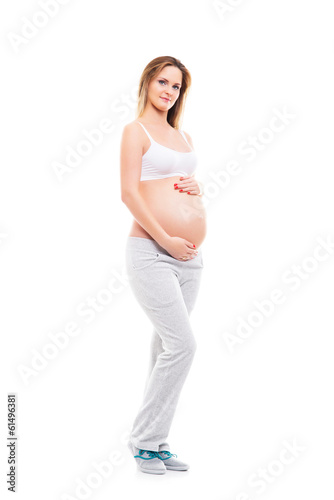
181, 189
175, 184
194, 246
188, 192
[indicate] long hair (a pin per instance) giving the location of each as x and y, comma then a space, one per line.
153, 68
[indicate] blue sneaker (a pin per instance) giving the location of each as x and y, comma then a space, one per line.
147, 461
170, 462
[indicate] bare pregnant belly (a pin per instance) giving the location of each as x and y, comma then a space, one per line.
179, 214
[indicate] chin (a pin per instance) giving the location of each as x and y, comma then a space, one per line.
162, 107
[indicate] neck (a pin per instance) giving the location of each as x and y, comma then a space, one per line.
154, 115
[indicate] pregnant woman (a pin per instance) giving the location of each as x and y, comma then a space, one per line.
163, 256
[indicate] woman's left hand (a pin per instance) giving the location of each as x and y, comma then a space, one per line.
188, 184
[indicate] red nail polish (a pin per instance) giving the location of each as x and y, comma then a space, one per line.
194, 246
188, 192
181, 189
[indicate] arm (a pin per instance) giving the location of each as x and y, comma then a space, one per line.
131, 158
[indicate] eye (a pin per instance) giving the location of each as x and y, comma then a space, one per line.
163, 81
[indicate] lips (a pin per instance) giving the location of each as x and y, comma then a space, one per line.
165, 99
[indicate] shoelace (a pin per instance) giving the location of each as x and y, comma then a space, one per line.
154, 454
169, 455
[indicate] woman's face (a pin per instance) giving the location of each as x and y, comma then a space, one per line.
164, 88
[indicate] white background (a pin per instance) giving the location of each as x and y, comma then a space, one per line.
63, 241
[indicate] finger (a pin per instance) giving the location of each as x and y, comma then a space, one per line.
190, 245
186, 181
184, 184
181, 185
191, 189
186, 188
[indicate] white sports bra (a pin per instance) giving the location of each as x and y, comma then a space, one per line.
160, 161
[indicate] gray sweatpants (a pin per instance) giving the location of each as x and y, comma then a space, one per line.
166, 289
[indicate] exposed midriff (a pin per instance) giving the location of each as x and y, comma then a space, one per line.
178, 213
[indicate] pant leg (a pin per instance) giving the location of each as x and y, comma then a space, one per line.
156, 348
156, 280
189, 289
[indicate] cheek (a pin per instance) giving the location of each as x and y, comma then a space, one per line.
154, 90
156, 93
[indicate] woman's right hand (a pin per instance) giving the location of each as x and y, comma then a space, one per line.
179, 247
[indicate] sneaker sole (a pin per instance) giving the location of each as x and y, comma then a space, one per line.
175, 468
151, 471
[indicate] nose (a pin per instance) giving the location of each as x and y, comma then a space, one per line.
169, 92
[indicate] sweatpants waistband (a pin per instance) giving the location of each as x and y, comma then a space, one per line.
139, 242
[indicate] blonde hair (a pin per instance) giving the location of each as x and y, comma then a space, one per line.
153, 68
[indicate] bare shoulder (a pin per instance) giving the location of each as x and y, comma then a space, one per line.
131, 127
132, 133
189, 139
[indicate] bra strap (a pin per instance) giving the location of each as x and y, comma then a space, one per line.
184, 136
146, 132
